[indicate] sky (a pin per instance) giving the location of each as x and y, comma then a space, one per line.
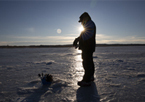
55, 22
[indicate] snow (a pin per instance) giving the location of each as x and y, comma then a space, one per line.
119, 75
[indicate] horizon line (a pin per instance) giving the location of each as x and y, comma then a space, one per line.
64, 45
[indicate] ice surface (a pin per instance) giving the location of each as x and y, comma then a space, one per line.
119, 75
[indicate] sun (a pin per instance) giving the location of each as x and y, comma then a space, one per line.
81, 28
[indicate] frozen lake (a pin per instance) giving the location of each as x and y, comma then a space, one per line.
119, 75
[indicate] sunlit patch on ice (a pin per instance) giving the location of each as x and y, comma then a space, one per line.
77, 67
78, 57
47, 62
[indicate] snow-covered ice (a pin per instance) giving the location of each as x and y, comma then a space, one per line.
119, 75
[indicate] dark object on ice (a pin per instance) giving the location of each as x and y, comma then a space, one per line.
49, 63
46, 79
141, 75
119, 60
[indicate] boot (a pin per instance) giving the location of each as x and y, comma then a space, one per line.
84, 84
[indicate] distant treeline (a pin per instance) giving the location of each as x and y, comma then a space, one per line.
99, 45
35, 46
47, 46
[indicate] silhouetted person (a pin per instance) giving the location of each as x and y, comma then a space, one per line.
87, 44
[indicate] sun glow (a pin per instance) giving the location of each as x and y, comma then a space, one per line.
81, 28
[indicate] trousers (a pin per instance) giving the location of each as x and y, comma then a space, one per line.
88, 66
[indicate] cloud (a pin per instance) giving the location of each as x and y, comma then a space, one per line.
3, 43
101, 38
68, 39
29, 40
45, 37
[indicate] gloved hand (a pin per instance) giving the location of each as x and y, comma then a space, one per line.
75, 42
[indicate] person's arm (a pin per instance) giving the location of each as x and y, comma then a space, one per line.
76, 41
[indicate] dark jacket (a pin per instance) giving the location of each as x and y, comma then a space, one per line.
87, 42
